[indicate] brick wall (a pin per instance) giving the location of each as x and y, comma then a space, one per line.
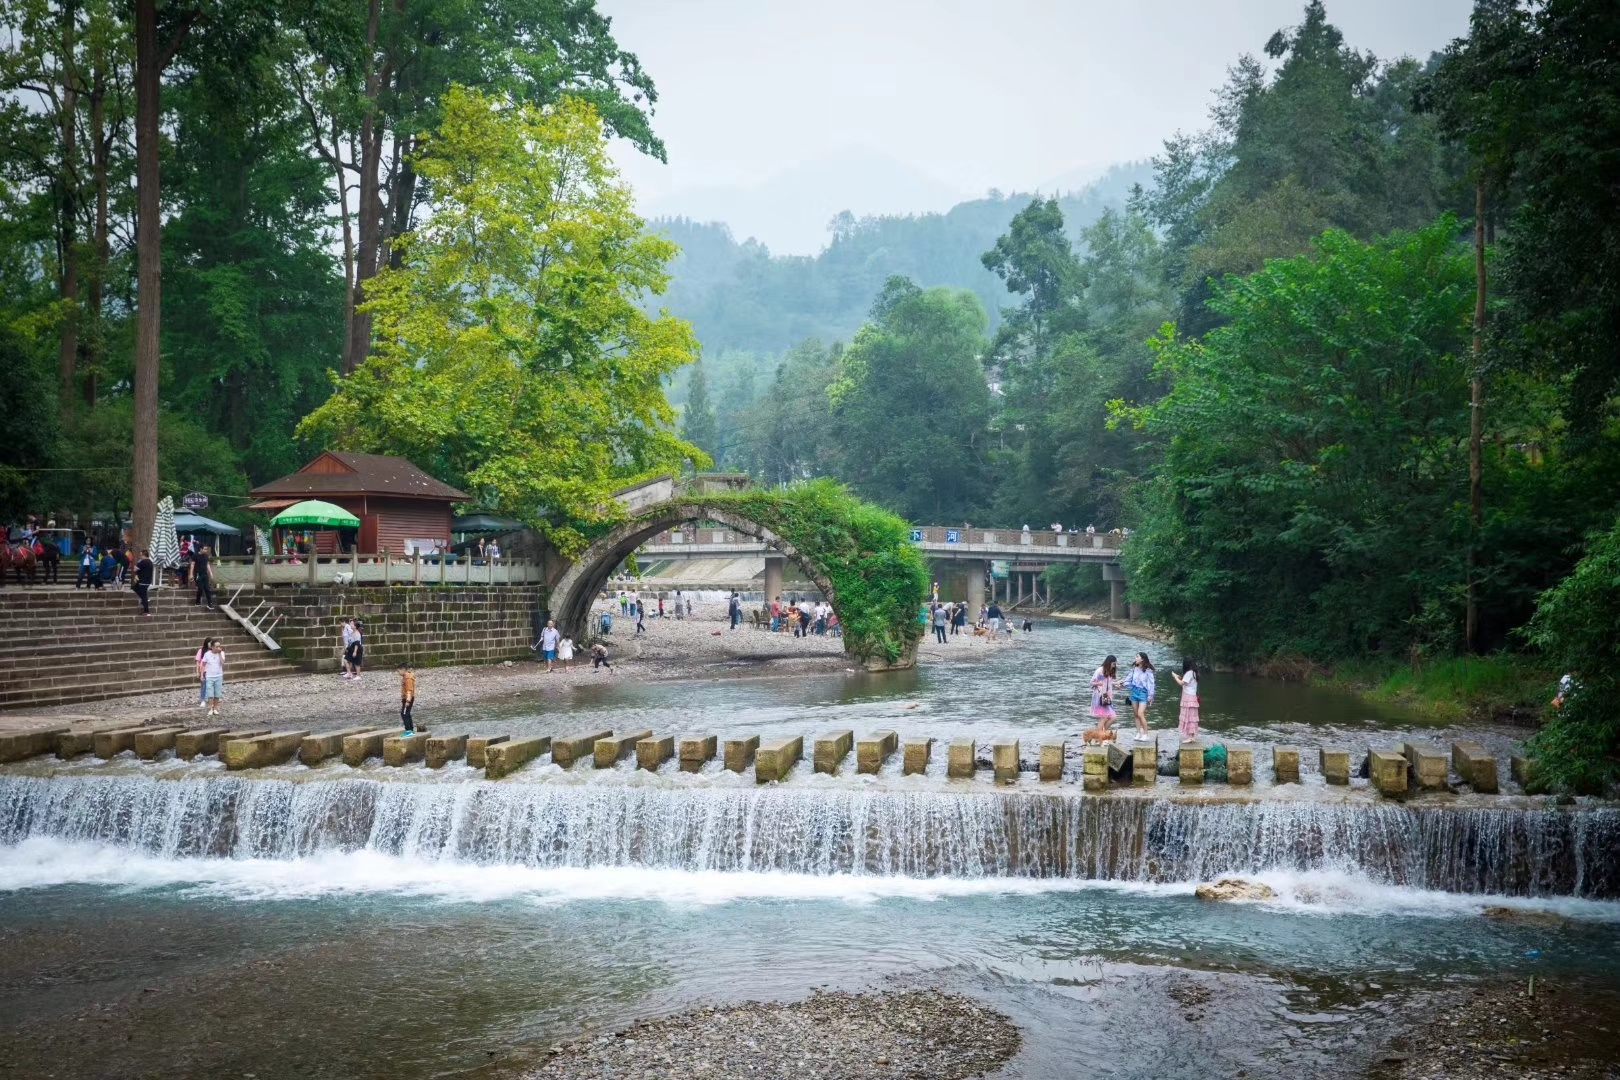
425, 625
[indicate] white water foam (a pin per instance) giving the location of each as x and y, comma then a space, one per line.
42, 862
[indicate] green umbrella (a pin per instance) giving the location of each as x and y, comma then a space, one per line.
315, 512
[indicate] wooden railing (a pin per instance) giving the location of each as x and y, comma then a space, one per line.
257, 570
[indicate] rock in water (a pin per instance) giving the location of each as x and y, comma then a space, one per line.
1231, 888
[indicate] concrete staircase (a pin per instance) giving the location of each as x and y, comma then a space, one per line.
62, 645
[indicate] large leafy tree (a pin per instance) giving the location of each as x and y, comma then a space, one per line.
786, 435
912, 405
1308, 496
512, 355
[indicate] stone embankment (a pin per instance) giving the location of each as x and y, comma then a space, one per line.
1395, 772
917, 1034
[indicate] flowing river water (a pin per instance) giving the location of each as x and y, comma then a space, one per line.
165, 918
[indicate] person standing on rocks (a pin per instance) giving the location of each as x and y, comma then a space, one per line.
202, 681
347, 634
1104, 681
357, 649
1188, 681
641, 618
941, 616
565, 652
407, 699
993, 618
734, 610
1139, 684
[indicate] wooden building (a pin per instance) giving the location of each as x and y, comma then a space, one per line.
400, 507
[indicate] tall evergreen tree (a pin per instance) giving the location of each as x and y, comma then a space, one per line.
697, 419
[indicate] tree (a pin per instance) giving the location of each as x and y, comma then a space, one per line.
1309, 492
911, 404
1574, 629
697, 419
512, 357
376, 75
786, 436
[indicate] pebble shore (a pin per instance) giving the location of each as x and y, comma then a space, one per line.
914, 1034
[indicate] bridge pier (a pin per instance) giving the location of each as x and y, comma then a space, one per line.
978, 570
1114, 574
773, 577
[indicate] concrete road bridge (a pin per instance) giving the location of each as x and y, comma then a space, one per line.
1009, 561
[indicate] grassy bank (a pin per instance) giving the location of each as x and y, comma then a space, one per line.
1499, 687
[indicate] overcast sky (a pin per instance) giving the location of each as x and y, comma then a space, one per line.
1012, 94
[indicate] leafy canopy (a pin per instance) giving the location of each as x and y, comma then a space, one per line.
512, 356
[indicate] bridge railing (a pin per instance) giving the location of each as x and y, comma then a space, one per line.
1038, 538
390, 569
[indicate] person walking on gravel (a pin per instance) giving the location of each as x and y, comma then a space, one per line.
549, 637
941, 617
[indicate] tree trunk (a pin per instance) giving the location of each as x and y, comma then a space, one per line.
369, 204
1476, 421
68, 354
149, 272
100, 152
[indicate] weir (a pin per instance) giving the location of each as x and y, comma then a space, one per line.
983, 834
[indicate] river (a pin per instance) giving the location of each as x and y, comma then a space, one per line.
166, 919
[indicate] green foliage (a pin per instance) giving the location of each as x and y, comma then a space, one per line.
511, 356
784, 437
28, 424
1574, 627
1328, 141
697, 418
1313, 454
1449, 688
911, 404
878, 574
1076, 584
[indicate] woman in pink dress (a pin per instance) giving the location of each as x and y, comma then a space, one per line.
1188, 679
1103, 683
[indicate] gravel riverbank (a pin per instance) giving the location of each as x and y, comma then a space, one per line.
915, 1034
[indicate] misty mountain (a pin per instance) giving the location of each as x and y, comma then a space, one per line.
740, 297
790, 211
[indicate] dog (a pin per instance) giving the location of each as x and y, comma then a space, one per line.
1098, 735
345, 577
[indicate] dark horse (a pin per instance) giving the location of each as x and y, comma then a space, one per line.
50, 561
20, 559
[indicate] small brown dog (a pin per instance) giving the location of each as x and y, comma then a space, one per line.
1097, 735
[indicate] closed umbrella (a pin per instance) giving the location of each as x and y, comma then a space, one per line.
317, 513
165, 545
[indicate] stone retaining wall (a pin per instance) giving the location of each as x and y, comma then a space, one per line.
424, 625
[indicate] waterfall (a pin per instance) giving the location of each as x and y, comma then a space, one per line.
1516, 851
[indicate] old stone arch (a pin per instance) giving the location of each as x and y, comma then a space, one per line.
574, 592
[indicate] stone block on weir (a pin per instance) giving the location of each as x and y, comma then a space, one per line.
1190, 762
740, 753
609, 750
831, 749
112, 743
1004, 760
198, 741
696, 751
1052, 757
151, 742
1335, 762
402, 749
1477, 768
1388, 772
443, 749
960, 759
872, 751
478, 748
1239, 764
1094, 768
915, 755
653, 752
326, 744
1285, 764
1522, 769
505, 758
276, 748
1117, 757
21, 745
570, 748
1429, 766
1145, 763
366, 744
775, 760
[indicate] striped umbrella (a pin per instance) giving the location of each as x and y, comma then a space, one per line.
165, 545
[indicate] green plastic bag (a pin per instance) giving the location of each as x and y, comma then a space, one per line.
1215, 764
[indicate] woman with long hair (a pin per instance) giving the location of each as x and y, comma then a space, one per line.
1103, 682
1139, 686
1188, 681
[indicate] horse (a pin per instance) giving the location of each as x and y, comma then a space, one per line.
50, 560
18, 558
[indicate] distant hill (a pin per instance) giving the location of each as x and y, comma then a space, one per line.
740, 297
